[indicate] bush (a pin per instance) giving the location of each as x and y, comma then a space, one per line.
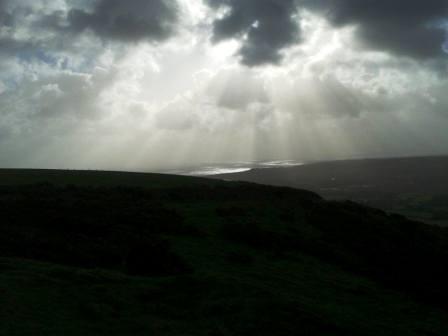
154, 258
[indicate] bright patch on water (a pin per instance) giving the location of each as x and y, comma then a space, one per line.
277, 164
216, 171
237, 167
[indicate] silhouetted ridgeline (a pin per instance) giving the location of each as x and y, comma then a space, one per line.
97, 253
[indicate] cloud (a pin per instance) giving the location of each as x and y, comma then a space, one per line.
6, 19
178, 115
265, 29
8, 44
265, 26
236, 89
64, 95
411, 28
130, 20
25, 37
71, 95
322, 98
69, 99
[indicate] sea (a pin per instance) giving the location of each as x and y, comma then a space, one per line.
229, 168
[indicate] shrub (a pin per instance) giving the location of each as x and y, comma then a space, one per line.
153, 257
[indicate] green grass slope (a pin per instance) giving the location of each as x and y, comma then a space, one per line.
99, 253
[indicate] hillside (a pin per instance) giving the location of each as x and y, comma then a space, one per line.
416, 187
103, 253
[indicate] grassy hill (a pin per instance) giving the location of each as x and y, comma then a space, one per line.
103, 253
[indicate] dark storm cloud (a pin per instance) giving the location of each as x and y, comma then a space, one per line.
129, 20
6, 19
9, 45
412, 28
268, 26
409, 28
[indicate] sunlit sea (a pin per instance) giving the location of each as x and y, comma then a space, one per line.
238, 167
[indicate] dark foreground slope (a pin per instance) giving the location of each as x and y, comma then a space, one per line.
416, 187
187, 256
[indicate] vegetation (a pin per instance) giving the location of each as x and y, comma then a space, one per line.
98, 253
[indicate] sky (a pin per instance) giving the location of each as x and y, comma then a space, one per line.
149, 85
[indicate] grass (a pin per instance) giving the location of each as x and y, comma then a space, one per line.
258, 260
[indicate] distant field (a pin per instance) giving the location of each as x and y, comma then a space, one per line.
415, 187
